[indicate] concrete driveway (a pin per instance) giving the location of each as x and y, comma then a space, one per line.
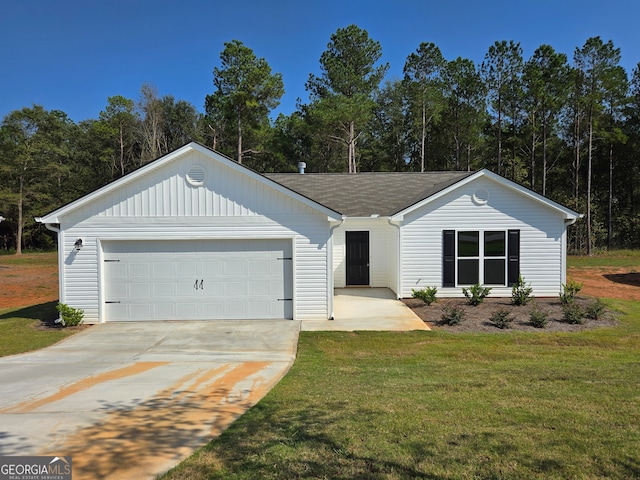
131, 400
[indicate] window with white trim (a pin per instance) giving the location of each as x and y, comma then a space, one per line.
488, 257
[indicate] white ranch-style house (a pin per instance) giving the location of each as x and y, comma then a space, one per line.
195, 235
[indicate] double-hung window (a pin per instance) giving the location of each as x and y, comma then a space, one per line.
488, 257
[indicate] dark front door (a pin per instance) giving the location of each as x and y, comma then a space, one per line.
357, 258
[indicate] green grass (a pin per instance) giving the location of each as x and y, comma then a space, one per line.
614, 258
18, 333
435, 405
48, 258
430, 405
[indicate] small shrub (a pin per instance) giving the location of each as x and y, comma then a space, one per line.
572, 313
539, 318
69, 316
476, 294
569, 291
452, 315
427, 294
595, 310
521, 292
501, 318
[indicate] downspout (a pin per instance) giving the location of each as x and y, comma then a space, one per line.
55, 227
330, 285
563, 270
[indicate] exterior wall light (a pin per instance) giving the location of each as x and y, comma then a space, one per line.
78, 245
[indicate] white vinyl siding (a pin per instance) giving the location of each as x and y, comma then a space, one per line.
165, 192
380, 250
541, 237
163, 206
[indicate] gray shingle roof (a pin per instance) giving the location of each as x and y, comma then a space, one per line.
366, 194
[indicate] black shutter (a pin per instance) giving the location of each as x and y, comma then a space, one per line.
448, 258
513, 267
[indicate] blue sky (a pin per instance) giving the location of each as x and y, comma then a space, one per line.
73, 54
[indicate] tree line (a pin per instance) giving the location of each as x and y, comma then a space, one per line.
568, 128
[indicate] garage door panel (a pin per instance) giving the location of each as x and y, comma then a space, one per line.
140, 311
187, 268
213, 309
164, 290
259, 267
257, 288
235, 310
235, 289
164, 269
195, 280
140, 291
164, 311
235, 267
214, 267
187, 311
141, 269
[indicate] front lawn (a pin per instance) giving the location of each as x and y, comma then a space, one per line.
440, 405
22, 330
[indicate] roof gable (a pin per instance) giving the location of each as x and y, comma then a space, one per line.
135, 181
567, 213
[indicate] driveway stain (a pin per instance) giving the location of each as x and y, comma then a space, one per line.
84, 384
154, 435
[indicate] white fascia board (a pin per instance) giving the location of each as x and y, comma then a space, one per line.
567, 213
54, 217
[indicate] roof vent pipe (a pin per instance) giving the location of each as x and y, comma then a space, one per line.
301, 167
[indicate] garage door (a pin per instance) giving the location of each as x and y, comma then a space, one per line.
197, 280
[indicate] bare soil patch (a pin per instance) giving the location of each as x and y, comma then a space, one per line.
25, 285
609, 282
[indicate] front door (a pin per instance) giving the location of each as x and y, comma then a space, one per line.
357, 258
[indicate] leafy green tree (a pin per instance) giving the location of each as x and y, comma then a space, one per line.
387, 146
627, 212
118, 124
180, 123
501, 71
246, 91
596, 63
343, 95
545, 81
35, 163
424, 86
611, 133
466, 108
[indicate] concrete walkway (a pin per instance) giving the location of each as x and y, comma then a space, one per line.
367, 309
131, 400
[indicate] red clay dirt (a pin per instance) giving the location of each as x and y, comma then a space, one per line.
607, 282
26, 285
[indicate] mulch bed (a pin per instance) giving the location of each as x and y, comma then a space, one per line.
477, 319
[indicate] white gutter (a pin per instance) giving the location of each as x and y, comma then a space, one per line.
55, 227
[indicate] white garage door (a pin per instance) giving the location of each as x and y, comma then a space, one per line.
198, 280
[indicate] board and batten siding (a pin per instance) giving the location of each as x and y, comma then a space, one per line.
163, 206
542, 237
380, 250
